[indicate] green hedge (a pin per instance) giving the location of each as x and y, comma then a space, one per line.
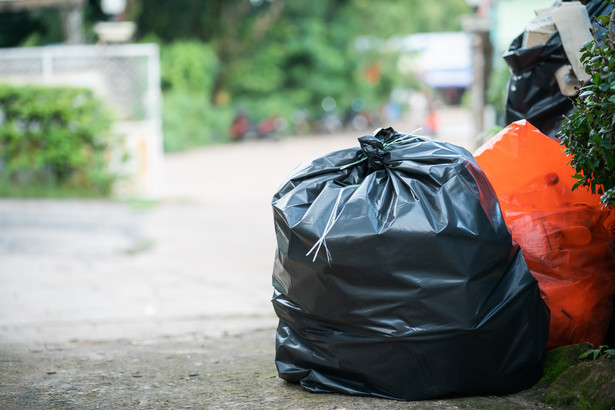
189, 121
53, 140
189, 118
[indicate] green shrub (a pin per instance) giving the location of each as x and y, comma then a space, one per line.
189, 118
588, 132
188, 65
53, 138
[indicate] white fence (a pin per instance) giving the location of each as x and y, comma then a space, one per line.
126, 76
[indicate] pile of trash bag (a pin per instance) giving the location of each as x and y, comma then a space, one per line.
396, 277
565, 235
542, 84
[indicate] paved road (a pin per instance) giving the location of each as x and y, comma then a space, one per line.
198, 261
166, 304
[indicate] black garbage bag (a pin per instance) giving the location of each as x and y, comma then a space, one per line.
533, 92
396, 277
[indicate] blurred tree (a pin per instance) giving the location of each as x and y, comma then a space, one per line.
270, 57
401, 17
293, 46
30, 27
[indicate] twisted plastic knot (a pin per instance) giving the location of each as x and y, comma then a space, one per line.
373, 149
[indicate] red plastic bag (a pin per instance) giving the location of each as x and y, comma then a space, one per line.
565, 235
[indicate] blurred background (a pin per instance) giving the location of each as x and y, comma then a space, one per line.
157, 132
188, 73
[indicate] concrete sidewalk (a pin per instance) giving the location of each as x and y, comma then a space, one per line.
182, 372
197, 261
162, 304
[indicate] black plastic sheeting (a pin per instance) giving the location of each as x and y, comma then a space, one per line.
396, 277
533, 93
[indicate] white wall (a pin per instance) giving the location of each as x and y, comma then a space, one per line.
510, 18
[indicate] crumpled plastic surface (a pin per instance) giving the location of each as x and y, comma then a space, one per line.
565, 235
533, 93
396, 277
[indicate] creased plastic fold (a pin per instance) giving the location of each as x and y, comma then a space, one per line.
565, 235
420, 291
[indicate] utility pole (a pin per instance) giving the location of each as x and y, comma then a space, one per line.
479, 25
72, 23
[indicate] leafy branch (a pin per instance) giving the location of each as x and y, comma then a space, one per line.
588, 134
601, 352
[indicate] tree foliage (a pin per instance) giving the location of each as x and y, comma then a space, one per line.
588, 134
189, 118
267, 57
295, 48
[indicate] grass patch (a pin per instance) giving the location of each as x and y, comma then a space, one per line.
39, 191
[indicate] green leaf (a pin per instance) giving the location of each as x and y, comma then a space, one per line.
595, 60
587, 45
577, 185
586, 354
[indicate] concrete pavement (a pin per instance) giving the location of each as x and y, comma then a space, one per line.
163, 304
198, 260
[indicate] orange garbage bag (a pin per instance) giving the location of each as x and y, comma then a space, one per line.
566, 236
